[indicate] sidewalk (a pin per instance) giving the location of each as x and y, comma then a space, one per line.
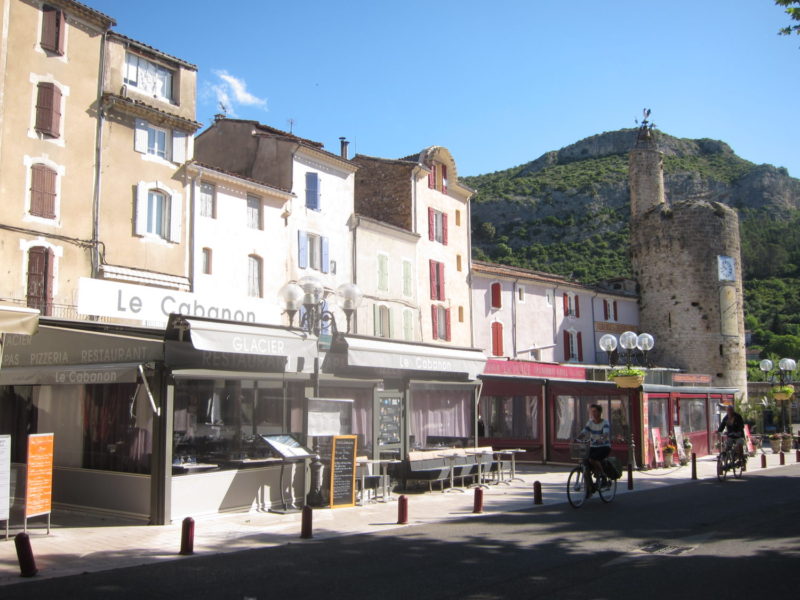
79, 543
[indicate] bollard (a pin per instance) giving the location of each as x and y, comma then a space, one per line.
537, 492
402, 510
306, 525
630, 476
27, 564
797, 456
783, 458
477, 503
763, 461
187, 536
694, 465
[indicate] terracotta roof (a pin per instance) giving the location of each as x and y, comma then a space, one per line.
137, 106
274, 131
239, 176
509, 271
388, 160
87, 11
154, 51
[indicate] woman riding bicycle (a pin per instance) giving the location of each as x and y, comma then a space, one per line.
598, 431
733, 425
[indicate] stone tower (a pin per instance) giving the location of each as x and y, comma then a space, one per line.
686, 258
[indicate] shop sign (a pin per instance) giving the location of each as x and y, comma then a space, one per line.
533, 369
98, 297
39, 488
691, 378
5, 476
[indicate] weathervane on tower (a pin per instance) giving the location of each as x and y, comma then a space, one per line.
645, 127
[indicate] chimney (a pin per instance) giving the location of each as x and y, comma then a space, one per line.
344, 144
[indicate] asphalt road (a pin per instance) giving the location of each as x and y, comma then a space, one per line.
703, 539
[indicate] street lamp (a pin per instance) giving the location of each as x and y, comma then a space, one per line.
786, 367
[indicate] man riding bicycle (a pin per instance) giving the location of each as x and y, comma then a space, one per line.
733, 425
598, 431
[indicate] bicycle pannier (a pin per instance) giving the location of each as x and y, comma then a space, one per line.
612, 467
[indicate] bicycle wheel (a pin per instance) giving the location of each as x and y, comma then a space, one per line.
607, 494
722, 467
576, 488
738, 466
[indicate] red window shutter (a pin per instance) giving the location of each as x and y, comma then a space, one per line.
434, 271
497, 339
444, 179
496, 298
444, 228
577, 306
432, 177
615, 310
447, 334
48, 109
566, 305
431, 224
605, 310
567, 355
61, 25
435, 322
51, 19
442, 295
43, 191
579, 343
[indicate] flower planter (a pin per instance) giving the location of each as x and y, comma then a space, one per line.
786, 444
628, 381
775, 445
668, 459
783, 393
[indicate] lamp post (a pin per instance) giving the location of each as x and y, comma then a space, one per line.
629, 342
786, 367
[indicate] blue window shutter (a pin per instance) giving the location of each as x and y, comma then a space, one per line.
302, 249
312, 191
326, 263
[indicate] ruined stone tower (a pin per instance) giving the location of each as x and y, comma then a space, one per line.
686, 259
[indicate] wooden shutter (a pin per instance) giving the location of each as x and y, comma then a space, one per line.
53, 26
444, 228
496, 295
447, 333
442, 295
497, 339
605, 310
432, 177
312, 191
325, 252
140, 136
615, 311
577, 306
179, 146
435, 322
579, 343
433, 271
302, 249
48, 109
567, 355
43, 191
444, 179
40, 279
566, 305
431, 224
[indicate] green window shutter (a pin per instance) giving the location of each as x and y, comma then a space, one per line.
383, 272
376, 320
406, 278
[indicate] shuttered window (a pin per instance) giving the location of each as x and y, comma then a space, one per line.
437, 280
440, 321
208, 200
444, 179
48, 109
206, 266
407, 278
497, 339
254, 276
53, 29
40, 279
579, 346
312, 191
496, 294
432, 178
383, 272
253, 212
43, 191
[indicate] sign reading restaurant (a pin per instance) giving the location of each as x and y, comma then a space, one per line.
101, 298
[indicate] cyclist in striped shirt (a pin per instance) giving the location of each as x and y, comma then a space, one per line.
598, 431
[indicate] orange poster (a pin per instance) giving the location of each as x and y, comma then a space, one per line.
39, 490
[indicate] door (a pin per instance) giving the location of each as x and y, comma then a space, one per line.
40, 279
388, 426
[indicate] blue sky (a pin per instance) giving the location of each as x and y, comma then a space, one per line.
499, 83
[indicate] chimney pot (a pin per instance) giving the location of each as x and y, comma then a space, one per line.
344, 144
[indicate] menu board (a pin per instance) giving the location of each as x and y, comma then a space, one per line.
389, 420
287, 447
343, 471
39, 489
679, 442
5, 476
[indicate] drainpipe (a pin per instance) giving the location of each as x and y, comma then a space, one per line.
353, 264
469, 271
98, 164
514, 289
192, 203
594, 330
555, 320
545, 425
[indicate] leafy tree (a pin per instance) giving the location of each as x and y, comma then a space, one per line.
793, 10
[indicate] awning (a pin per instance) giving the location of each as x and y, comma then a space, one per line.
16, 319
71, 374
363, 352
214, 336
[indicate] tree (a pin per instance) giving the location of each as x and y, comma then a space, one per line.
793, 10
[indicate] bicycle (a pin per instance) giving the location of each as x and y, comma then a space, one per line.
582, 481
729, 459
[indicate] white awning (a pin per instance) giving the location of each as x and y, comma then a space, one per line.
214, 336
16, 319
413, 357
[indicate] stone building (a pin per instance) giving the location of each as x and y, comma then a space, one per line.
687, 262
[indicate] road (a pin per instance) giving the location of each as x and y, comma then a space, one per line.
700, 539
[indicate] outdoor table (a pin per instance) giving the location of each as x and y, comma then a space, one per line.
513, 452
480, 454
451, 458
386, 492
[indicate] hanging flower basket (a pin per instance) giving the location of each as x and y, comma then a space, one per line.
783, 392
627, 377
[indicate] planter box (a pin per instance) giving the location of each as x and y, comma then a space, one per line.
775, 445
786, 445
629, 381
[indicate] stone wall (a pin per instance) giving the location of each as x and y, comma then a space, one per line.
383, 190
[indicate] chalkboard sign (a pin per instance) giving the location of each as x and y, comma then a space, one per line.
390, 420
343, 471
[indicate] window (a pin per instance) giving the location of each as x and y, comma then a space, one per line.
511, 417
460, 314
157, 214
571, 305
521, 294
458, 218
573, 346
148, 77
458, 262
53, 28
157, 141
254, 276
572, 412
157, 211
693, 416
253, 211
496, 298
313, 252
383, 272
408, 325
160, 142
432, 178
43, 191
208, 200
407, 276
48, 109
312, 191
437, 226
40, 279
440, 317
497, 339
437, 280
206, 266
610, 310
549, 297
383, 321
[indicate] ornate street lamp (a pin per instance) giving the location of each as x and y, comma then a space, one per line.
784, 389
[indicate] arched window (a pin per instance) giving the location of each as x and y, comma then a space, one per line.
254, 276
497, 339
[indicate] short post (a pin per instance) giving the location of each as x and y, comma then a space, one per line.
797, 456
783, 458
187, 536
630, 476
306, 525
402, 510
537, 492
763, 461
694, 465
477, 503
27, 564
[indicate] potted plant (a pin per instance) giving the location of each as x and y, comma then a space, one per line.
627, 377
775, 441
786, 442
669, 452
782, 392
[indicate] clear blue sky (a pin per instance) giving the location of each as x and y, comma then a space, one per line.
498, 83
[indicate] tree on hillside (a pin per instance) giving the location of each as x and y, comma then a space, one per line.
793, 10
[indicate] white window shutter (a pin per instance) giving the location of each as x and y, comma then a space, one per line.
140, 136
376, 321
175, 218
178, 146
140, 209
302, 249
326, 262
391, 324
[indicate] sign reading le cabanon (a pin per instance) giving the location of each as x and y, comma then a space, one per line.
97, 297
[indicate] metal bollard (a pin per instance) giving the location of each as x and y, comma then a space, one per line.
763, 461
27, 564
537, 492
402, 510
477, 503
783, 458
187, 536
306, 526
797, 456
694, 465
630, 476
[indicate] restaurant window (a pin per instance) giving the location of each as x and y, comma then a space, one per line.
43, 191
693, 416
572, 414
54, 25
208, 200
511, 417
48, 109
440, 416
657, 415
